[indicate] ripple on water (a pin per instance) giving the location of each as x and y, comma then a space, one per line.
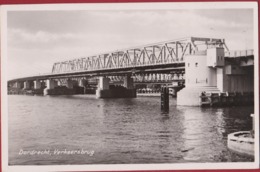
120, 130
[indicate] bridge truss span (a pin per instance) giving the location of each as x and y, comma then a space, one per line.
170, 52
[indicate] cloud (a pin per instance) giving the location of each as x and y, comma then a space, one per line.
56, 36
120, 27
19, 35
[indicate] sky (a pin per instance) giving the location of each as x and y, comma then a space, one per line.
37, 39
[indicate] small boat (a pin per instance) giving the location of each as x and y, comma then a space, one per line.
242, 142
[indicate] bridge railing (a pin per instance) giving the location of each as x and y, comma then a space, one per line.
242, 53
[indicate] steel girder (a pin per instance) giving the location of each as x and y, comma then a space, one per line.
152, 77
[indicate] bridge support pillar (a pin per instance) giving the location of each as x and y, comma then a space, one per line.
199, 77
50, 85
104, 91
69, 84
82, 82
103, 88
17, 85
128, 82
26, 85
103, 83
53, 89
37, 84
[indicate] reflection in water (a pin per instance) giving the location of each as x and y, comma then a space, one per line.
200, 133
121, 130
193, 129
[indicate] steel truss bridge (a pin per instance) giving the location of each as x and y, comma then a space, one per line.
160, 55
143, 62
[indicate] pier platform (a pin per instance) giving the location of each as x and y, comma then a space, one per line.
226, 98
116, 93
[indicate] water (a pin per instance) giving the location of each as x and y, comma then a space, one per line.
120, 131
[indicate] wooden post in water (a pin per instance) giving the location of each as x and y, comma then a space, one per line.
253, 125
165, 99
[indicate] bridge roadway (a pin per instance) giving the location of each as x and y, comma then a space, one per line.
159, 68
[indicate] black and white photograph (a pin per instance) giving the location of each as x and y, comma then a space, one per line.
130, 86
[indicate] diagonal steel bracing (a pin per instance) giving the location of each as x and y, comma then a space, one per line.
170, 52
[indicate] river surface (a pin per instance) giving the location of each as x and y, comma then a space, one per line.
57, 130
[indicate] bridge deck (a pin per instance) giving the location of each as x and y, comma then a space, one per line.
160, 68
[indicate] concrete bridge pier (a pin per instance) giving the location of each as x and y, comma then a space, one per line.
26, 85
50, 85
84, 87
17, 85
106, 91
209, 72
128, 82
200, 76
103, 88
69, 84
103, 83
37, 84
82, 82
70, 87
77, 86
37, 87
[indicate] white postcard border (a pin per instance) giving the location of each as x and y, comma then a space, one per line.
124, 6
